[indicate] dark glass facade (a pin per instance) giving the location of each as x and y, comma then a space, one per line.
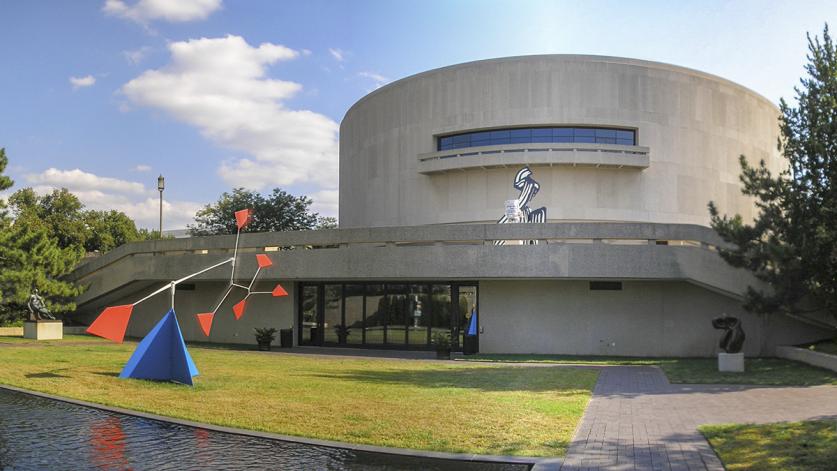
539, 134
402, 315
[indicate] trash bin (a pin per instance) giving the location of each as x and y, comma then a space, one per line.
469, 344
286, 338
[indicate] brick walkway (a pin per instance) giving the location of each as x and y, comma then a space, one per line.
637, 420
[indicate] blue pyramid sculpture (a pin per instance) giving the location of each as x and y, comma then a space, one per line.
162, 355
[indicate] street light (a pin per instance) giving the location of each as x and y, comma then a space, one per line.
161, 185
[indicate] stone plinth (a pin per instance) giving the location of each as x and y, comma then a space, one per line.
43, 330
731, 362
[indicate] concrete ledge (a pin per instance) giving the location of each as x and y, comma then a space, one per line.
822, 360
534, 154
293, 439
11, 331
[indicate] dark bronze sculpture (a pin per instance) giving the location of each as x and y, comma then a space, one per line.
37, 309
733, 338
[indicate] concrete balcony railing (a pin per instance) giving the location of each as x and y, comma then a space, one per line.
535, 154
624, 251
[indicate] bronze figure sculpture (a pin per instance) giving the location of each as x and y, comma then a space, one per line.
733, 338
37, 309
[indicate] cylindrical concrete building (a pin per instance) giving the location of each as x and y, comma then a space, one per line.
605, 165
681, 134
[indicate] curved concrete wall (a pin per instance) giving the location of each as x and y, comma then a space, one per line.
694, 126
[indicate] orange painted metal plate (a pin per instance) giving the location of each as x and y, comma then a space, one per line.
238, 308
205, 320
242, 218
263, 260
279, 291
112, 323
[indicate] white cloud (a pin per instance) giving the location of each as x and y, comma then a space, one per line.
80, 82
142, 168
78, 179
174, 11
325, 202
219, 85
136, 200
379, 79
337, 54
135, 56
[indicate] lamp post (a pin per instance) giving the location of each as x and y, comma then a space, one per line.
161, 185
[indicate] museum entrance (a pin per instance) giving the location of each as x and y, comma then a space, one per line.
397, 315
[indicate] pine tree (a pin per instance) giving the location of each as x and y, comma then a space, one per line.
792, 244
31, 258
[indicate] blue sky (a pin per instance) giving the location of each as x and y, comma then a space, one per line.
102, 96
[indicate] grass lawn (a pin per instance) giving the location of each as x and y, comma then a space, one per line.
759, 371
810, 445
442, 406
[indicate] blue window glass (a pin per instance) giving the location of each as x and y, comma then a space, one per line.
520, 136
540, 134
499, 137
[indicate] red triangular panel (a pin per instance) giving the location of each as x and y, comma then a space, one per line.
242, 218
205, 320
238, 309
263, 260
279, 291
112, 323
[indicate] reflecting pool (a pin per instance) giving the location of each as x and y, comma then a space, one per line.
38, 433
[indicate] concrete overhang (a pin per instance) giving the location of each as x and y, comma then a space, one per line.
535, 154
465, 252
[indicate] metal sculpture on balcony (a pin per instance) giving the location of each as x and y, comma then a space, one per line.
732, 340
517, 210
162, 354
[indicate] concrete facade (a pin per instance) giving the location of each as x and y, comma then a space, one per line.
691, 125
413, 214
645, 318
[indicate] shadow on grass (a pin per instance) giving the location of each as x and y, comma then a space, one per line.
506, 379
47, 374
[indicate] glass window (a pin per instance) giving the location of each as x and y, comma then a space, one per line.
540, 134
397, 305
439, 309
333, 314
308, 326
354, 314
376, 311
418, 315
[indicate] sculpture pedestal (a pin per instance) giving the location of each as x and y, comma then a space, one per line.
43, 330
731, 362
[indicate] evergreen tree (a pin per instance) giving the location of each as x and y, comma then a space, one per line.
792, 244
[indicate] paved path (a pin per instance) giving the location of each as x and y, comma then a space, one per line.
637, 420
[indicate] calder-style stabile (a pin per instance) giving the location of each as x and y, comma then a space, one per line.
162, 354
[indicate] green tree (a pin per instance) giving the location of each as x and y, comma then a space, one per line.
278, 211
31, 258
109, 229
5, 182
60, 212
792, 244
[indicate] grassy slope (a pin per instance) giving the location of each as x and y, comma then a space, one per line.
784, 446
760, 371
443, 406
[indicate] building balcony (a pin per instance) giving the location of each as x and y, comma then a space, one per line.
535, 154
